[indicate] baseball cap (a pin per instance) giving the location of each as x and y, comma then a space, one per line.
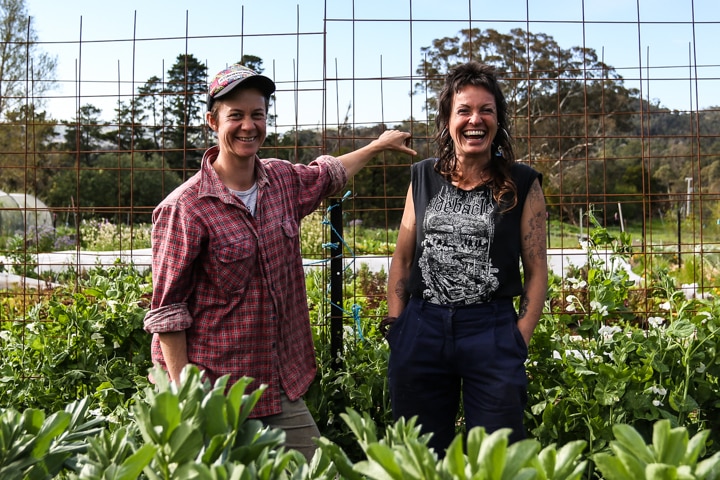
235, 75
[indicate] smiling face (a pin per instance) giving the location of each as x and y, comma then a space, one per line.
473, 122
240, 121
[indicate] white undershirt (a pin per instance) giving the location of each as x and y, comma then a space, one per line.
248, 197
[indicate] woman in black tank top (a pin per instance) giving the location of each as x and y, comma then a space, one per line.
472, 216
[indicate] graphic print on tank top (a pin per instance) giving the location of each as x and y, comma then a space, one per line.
455, 263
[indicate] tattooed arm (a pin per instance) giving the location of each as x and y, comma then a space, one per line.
534, 260
397, 295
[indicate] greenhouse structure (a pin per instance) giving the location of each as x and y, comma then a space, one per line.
22, 212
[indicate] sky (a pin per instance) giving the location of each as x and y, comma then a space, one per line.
106, 50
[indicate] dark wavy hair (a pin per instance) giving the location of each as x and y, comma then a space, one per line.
502, 154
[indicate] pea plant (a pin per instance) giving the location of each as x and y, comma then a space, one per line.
76, 341
596, 363
602, 379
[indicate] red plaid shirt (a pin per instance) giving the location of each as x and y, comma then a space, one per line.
235, 283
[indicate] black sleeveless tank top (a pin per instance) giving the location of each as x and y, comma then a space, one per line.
466, 250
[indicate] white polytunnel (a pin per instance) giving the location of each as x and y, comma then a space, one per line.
22, 212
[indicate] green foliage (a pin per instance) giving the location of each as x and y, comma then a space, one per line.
35, 446
191, 431
358, 379
194, 430
102, 235
21, 48
75, 343
115, 182
595, 365
402, 453
672, 455
22, 261
595, 362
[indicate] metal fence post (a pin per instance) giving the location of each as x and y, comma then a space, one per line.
336, 283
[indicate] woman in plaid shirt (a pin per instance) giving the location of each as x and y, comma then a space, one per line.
228, 282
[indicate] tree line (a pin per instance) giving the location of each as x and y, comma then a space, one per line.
594, 140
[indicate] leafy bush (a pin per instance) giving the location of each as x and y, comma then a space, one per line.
102, 235
594, 362
76, 342
33, 445
671, 455
195, 430
597, 364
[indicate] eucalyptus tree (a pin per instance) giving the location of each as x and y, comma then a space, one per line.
27, 73
563, 102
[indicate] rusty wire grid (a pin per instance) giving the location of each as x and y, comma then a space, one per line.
609, 103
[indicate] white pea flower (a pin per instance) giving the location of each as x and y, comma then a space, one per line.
609, 331
599, 307
570, 299
701, 368
31, 327
658, 390
5, 335
665, 306
99, 340
116, 345
657, 403
656, 322
573, 353
578, 354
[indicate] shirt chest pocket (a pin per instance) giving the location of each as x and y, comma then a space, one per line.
234, 265
281, 241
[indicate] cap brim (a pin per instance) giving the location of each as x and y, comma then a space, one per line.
261, 82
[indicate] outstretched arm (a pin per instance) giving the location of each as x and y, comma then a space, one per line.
389, 140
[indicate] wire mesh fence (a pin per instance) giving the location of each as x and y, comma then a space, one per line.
617, 106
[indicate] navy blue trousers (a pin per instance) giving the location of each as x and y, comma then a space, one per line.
440, 352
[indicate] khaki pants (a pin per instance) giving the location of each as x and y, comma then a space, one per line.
298, 424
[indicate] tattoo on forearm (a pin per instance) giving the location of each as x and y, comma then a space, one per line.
534, 239
401, 290
524, 302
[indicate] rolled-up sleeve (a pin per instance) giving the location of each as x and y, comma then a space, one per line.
170, 318
336, 173
321, 178
175, 246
